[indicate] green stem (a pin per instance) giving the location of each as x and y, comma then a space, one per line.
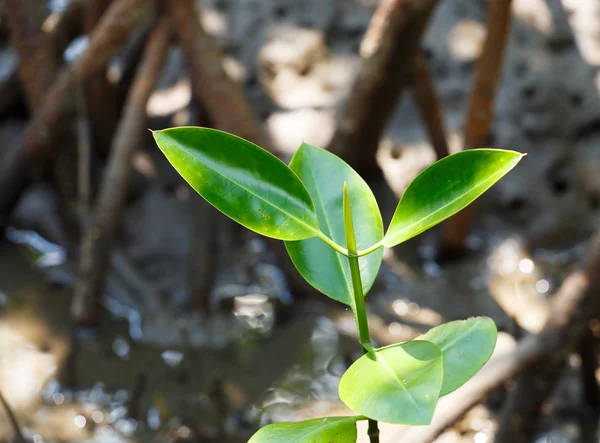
333, 245
359, 302
370, 249
360, 311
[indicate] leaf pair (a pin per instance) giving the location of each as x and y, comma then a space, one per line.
400, 383
302, 203
299, 202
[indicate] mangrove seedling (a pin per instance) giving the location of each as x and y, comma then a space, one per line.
332, 228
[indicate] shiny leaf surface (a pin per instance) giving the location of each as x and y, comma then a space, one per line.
466, 346
396, 384
328, 271
320, 430
445, 188
245, 182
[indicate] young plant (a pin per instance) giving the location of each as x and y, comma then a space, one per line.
331, 225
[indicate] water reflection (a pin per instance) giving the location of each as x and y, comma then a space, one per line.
256, 311
308, 388
47, 253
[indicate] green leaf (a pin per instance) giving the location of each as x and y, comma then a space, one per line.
328, 271
319, 430
243, 181
396, 384
466, 346
445, 188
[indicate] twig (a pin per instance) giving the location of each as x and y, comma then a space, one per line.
388, 51
481, 111
97, 243
221, 97
206, 221
429, 107
578, 296
572, 307
132, 55
37, 65
223, 104
101, 96
64, 26
203, 260
51, 118
83, 158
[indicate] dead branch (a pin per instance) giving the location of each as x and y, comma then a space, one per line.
37, 65
95, 120
481, 109
64, 27
206, 222
100, 95
84, 153
221, 97
223, 103
578, 298
52, 116
132, 55
388, 50
205, 247
429, 107
572, 308
98, 240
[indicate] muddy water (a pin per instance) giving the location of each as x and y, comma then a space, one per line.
151, 377
78, 385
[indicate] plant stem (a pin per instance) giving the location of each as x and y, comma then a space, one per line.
333, 245
373, 431
360, 312
370, 249
359, 301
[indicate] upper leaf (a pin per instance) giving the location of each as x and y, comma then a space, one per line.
245, 182
445, 188
319, 430
324, 175
396, 384
466, 346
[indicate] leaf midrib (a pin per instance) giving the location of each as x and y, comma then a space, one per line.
491, 178
459, 337
327, 425
389, 369
300, 222
447, 345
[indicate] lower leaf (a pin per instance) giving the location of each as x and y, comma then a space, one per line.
319, 430
466, 346
396, 384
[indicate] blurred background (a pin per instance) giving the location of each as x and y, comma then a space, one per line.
132, 311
